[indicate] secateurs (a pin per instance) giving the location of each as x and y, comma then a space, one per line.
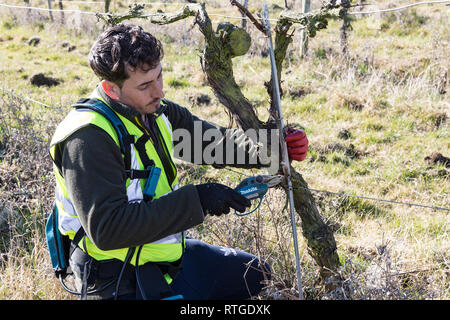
256, 187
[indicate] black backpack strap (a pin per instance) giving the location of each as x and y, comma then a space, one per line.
137, 174
150, 281
76, 239
128, 140
140, 146
125, 139
151, 171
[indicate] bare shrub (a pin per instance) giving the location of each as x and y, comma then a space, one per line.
26, 195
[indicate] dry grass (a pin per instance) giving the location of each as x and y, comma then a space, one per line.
388, 99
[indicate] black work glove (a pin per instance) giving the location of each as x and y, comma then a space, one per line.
217, 199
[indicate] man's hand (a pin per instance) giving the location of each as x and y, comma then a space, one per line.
217, 199
297, 144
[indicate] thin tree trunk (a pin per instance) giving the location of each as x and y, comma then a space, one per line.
107, 3
244, 20
306, 6
50, 9
319, 236
345, 28
62, 12
27, 2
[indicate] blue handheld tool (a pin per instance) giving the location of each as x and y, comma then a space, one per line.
152, 181
252, 188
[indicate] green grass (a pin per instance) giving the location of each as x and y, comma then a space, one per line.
386, 96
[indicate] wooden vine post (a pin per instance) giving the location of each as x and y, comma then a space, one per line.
345, 27
221, 46
107, 4
306, 7
60, 4
50, 14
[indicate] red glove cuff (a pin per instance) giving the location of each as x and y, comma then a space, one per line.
297, 144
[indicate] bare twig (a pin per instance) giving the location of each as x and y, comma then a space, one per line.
255, 22
136, 11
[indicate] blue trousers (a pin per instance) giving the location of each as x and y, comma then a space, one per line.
212, 272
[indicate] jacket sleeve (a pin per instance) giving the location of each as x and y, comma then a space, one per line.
93, 169
219, 146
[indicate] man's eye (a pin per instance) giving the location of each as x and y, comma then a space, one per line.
144, 88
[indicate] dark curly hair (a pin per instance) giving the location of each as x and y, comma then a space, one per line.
122, 46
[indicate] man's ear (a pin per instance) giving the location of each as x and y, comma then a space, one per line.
111, 89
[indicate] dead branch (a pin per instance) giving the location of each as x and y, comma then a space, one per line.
255, 22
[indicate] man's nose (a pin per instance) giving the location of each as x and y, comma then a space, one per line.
158, 91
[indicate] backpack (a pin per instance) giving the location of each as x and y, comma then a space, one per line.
59, 245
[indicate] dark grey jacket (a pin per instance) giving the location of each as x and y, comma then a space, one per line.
93, 168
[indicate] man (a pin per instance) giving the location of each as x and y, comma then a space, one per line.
127, 242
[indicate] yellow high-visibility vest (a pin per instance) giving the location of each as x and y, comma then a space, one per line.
168, 249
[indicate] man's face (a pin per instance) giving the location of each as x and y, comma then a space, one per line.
143, 90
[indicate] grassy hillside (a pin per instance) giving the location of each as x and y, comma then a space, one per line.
376, 121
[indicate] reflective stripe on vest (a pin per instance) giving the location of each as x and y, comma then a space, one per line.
165, 249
